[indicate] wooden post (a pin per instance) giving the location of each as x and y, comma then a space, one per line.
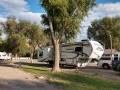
111, 45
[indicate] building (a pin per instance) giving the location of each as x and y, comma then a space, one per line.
107, 52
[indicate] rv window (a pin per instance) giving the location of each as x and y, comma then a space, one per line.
40, 54
115, 58
78, 49
105, 58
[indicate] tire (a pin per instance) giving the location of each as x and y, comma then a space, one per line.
106, 66
118, 68
115, 69
50, 63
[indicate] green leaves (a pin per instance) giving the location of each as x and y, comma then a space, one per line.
16, 43
21, 35
105, 27
69, 12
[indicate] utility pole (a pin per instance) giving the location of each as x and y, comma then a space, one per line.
111, 45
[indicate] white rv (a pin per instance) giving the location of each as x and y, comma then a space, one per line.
5, 56
78, 54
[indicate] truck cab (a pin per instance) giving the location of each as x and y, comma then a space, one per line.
116, 63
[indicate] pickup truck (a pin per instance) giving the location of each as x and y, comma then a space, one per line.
116, 65
106, 61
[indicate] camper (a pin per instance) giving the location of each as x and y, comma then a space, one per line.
5, 56
78, 54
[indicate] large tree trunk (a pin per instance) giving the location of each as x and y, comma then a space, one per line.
16, 56
31, 55
11, 57
56, 67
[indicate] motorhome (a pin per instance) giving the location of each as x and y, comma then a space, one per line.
78, 54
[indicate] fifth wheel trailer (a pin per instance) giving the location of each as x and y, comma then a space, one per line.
78, 54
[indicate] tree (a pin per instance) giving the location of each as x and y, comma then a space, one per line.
16, 44
0, 37
10, 26
1, 42
105, 27
27, 31
36, 38
63, 19
34, 35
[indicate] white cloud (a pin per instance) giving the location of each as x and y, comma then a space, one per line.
20, 9
33, 17
14, 6
102, 10
2, 19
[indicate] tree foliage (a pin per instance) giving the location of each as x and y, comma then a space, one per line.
10, 26
105, 27
65, 14
36, 37
16, 44
63, 19
21, 33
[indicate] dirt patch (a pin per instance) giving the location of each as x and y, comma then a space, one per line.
15, 79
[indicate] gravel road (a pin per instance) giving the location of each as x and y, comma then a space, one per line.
93, 69
15, 79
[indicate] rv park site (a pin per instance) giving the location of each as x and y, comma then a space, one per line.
59, 44
24, 75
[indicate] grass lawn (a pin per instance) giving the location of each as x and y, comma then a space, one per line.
73, 80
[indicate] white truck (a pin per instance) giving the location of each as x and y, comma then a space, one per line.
105, 62
78, 54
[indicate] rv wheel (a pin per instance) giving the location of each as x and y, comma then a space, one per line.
50, 63
106, 66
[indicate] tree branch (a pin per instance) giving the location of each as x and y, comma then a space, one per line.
51, 29
62, 30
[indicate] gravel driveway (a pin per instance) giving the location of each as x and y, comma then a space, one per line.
93, 69
15, 79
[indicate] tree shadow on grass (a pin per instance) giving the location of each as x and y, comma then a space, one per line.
20, 64
36, 69
32, 64
6, 65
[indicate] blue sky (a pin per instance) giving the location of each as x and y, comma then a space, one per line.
107, 1
35, 7
31, 10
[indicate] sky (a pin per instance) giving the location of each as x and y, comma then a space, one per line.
31, 10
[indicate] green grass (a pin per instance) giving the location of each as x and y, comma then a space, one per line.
73, 80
